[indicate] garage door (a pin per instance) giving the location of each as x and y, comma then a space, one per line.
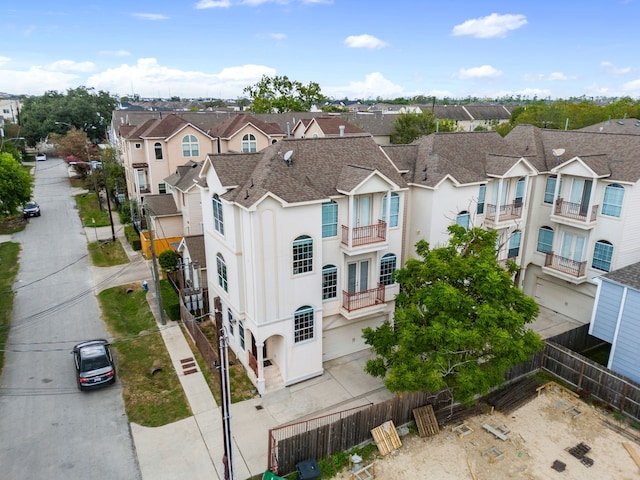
564, 299
346, 339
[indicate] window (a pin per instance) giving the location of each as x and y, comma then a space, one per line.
249, 143
387, 267
190, 146
550, 189
520, 191
545, 239
302, 254
162, 188
482, 193
241, 334
329, 282
303, 324
514, 244
329, 219
394, 209
613, 196
602, 254
218, 220
222, 272
463, 219
230, 320
157, 148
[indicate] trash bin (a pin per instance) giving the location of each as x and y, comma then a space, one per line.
308, 470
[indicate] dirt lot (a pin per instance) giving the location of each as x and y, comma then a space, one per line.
539, 433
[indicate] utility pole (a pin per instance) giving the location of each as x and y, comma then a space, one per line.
227, 458
156, 274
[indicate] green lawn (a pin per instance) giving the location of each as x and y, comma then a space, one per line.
107, 254
152, 392
90, 212
9, 252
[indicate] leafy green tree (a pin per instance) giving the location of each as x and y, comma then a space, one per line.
15, 185
460, 322
168, 260
55, 112
279, 94
411, 126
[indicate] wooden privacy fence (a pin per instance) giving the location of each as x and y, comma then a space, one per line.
592, 379
209, 353
322, 437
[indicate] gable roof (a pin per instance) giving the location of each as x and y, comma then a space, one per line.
233, 125
195, 245
330, 126
316, 170
185, 177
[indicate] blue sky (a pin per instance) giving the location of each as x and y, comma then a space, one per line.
355, 49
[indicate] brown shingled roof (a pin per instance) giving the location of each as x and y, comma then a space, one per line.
231, 126
160, 205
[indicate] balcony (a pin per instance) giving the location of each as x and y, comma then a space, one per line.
503, 213
366, 298
566, 268
578, 214
367, 235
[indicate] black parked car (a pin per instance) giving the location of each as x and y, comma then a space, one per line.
94, 364
31, 209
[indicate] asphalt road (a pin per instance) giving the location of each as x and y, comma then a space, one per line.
48, 429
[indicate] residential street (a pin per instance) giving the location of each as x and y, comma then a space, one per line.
50, 430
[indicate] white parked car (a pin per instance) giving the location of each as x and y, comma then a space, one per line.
41, 157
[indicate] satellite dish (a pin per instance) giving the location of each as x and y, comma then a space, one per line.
287, 155
557, 152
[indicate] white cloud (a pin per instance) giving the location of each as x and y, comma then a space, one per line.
278, 36
150, 16
614, 70
71, 66
374, 85
484, 71
491, 26
115, 53
37, 80
554, 76
4, 60
631, 89
204, 4
364, 41
150, 79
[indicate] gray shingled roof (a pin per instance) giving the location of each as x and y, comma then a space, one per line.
160, 205
195, 244
628, 126
185, 176
628, 276
319, 168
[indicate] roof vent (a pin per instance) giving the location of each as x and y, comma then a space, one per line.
619, 122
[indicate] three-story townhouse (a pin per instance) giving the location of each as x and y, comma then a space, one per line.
305, 237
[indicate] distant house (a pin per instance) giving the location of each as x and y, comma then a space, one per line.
616, 318
244, 134
329, 126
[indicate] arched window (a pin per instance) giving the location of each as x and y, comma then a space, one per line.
302, 254
218, 220
249, 143
545, 239
329, 282
394, 209
613, 196
463, 219
514, 244
190, 146
329, 219
157, 148
602, 253
222, 272
303, 324
387, 267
